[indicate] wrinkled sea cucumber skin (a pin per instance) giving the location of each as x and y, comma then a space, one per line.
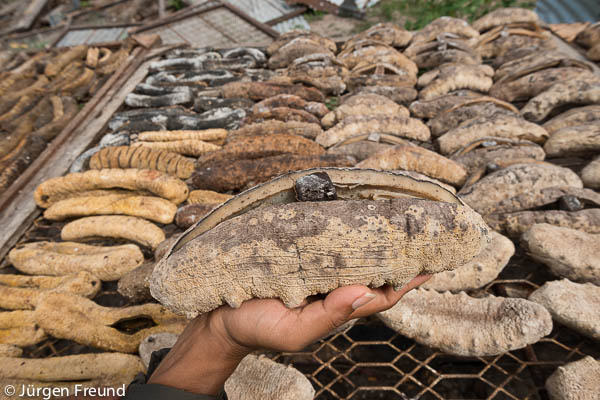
300, 249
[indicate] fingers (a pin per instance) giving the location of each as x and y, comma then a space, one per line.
320, 317
387, 297
346, 303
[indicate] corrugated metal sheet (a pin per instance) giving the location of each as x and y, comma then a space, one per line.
91, 36
216, 28
568, 11
268, 10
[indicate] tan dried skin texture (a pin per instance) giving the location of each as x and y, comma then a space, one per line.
134, 285
370, 51
108, 263
395, 125
296, 48
399, 94
515, 224
580, 92
235, 175
100, 366
189, 214
23, 292
291, 35
385, 32
379, 74
325, 74
513, 181
252, 147
532, 59
79, 319
576, 305
589, 36
590, 175
269, 127
360, 150
65, 58
448, 78
531, 85
114, 226
158, 183
364, 104
543, 197
142, 158
593, 53
578, 140
477, 155
151, 208
51, 130
259, 378
207, 197
444, 52
291, 101
187, 147
567, 252
91, 59
414, 158
484, 268
501, 40
466, 326
19, 328
579, 380
10, 350
498, 125
573, 117
505, 16
300, 251
481, 107
441, 25
262, 90
431, 108
442, 42
207, 135
282, 114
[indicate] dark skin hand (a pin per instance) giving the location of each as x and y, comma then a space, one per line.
213, 344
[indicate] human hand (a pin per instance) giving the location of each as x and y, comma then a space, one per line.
213, 344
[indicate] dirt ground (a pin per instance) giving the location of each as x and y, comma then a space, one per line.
334, 27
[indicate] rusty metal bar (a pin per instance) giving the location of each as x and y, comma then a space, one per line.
285, 17
263, 27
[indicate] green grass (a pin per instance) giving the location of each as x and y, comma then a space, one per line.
313, 15
415, 14
176, 4
332, 103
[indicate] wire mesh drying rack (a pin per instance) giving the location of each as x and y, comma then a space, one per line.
371, 361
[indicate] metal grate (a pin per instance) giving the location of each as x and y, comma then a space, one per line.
371, 361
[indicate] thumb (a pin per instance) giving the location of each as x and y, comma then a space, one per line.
323, 316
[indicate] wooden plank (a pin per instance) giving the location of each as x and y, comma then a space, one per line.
31, 13
285, 17
17, 216
161, 9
